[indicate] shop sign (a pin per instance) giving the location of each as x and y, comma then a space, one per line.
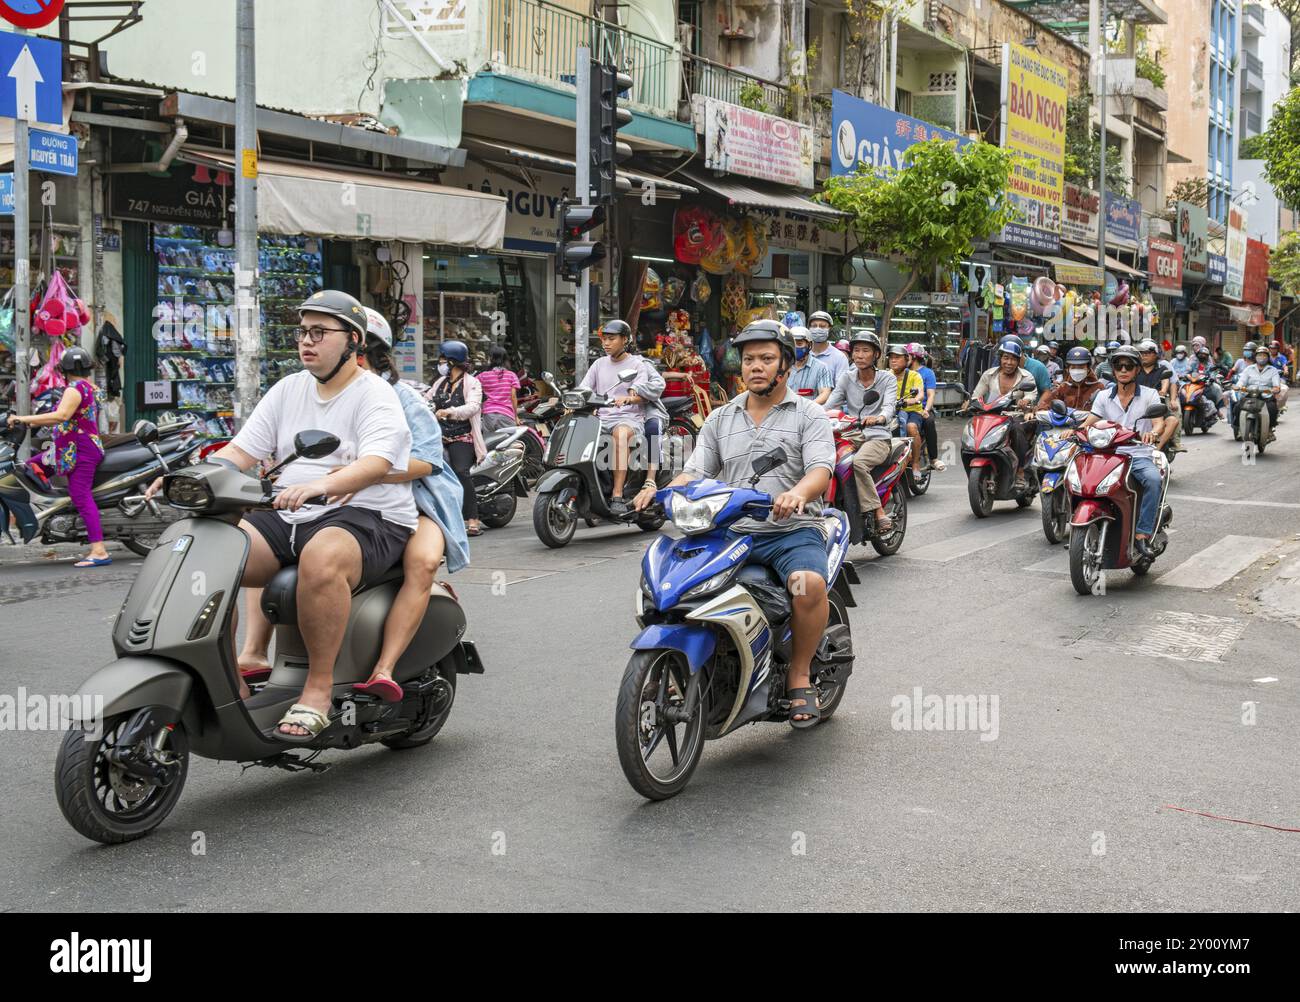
1255, 282
1033, 125
1079, 218
1123, 220
176, 198
6, 194
873, 136
1165, 267
1274, 302
1233, 288
754, 144
1190, 230
532, 212
794, 231
1216, 269
1087, 275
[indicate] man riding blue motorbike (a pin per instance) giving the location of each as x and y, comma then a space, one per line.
766, 416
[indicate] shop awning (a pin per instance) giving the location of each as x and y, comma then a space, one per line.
1089, 256
564, 165
756, 194
300, 198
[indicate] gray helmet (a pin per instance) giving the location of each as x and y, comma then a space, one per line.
769, 330
864, 336
1146, 344
617, 327
1125, 351
337, 304
821, 315
76, 361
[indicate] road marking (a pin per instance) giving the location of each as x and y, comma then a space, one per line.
926, 517
1218, 562
1266, 678
973, 542
1258, 504
1058, 564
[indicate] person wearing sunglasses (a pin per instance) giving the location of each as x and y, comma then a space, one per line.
1126, 403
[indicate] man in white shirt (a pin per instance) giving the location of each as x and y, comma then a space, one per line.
819, 330
336, 546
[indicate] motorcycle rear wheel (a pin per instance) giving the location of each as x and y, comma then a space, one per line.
653, 681
831, 693
897, 512
979, 491
99, 799
433, 714
498, 511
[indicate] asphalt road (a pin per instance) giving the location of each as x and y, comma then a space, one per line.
1111, 711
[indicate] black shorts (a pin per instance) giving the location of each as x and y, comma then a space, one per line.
381, 541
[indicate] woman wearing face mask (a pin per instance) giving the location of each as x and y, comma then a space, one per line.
1078, 387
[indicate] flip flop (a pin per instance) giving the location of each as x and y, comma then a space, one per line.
255, 674
301, 715
94, 562
385, 688
475, 531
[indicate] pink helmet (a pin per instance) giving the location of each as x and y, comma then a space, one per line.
914, 349
842, 345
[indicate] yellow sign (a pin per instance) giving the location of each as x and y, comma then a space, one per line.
1033, 124
250, 163
1088, 275
1266, 328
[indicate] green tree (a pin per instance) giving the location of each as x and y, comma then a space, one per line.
1284, 263
928, 213
1280, 145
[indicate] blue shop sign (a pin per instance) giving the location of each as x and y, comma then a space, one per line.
1216, 272
866, 133
1123, 218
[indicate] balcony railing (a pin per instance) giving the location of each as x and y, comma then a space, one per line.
539, 40
1253, 125
1254, 64
1255, 12
710, 79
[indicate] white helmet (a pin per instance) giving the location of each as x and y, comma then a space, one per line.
1099, 351
378, 326
1199, 339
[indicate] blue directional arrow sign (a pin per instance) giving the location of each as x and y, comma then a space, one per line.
31, 78
52, 152
6, 194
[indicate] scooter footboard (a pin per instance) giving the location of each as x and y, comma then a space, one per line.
696, 643
132, 683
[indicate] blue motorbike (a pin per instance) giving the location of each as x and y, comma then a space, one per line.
715, 640
1054, 449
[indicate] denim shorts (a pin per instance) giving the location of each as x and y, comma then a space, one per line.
802, 549
911, 417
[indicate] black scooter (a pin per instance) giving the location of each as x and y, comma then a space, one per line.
579, 479
173, 689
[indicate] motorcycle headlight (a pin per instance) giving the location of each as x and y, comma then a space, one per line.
1111, 479
697, 516
996, 437
572, 399
712, 584
191, 493
1072, 480
1100, 438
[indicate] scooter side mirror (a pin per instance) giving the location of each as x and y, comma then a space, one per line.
1026, 385
1157, 411
768, 462
868, 398
549, 377
1059, 408
314, 444
627, 375
146, 432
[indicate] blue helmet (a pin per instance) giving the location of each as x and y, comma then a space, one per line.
1078, 356
454, 351
1112, 345
1011, 346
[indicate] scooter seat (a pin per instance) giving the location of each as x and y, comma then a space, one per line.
895, 455
768, 591
280, 596
678, 405
121, 458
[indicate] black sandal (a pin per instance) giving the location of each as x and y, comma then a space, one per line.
810, 709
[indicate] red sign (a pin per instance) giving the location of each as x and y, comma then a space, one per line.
1165, 266
1255, 285
30, 13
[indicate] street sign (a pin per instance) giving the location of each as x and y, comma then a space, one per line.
31, 78
52, 152
30, 13
6, 194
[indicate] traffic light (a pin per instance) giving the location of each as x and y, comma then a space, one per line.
607, 152
577, 254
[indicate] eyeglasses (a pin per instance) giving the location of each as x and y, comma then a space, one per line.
314, 335
1123, 366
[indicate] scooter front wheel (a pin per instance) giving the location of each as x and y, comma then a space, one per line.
553, 524
1056, 515
979, 491
1085, 558
657, 749
103, 801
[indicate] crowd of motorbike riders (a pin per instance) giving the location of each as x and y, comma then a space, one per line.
399, 491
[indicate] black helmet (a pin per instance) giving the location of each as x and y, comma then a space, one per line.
337, 304
455, 351
769, 330
1125, 351
76, 361
616, 327
864, 336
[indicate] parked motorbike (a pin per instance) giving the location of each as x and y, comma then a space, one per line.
888, 477
715, 643
1104, 523
1198, 409
988, 456
44, 509
579, 479
1253, 425
499, 479
173, 690
1054, 449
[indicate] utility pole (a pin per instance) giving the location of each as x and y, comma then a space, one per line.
582, 170
1101, 180
248, 341
22, 263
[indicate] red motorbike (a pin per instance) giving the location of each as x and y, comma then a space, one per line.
888, 476
988, 455
1105, 505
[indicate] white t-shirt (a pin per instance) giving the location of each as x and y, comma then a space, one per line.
368, 420
1109, 407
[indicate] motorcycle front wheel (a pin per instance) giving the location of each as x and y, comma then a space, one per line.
1056, 515
100, 799
979, 491
658, 751
1085, 558
1189, 422
553, 524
